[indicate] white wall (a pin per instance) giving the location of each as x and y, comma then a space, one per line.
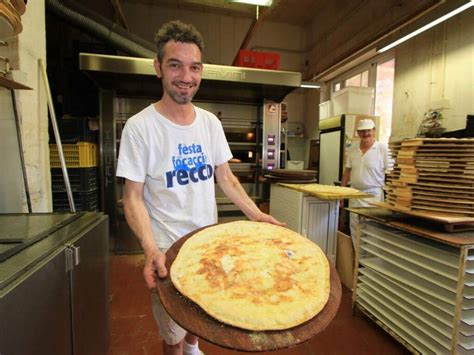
24, 51
436, 67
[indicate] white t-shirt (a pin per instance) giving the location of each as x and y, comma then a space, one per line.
177, 165
368, 170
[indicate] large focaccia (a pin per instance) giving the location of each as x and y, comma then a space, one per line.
253, 275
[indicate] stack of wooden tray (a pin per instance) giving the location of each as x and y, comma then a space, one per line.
291, 176
433, 174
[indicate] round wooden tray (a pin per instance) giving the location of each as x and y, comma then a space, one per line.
192, 318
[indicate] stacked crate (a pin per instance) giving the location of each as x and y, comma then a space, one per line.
82, 166
433, 175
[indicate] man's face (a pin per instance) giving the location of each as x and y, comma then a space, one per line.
180, 71
366, 134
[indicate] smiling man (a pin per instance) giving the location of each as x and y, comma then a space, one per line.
170, 153
365, 169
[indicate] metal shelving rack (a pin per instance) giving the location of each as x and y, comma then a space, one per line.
417, 285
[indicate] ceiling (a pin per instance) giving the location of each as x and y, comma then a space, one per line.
339, 32
294, 12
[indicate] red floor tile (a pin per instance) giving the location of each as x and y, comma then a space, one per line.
133, 330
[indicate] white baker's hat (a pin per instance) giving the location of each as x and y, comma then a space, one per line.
365, 124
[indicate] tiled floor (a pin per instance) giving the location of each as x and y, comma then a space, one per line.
133, 329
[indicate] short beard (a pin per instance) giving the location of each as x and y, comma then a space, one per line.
180, 100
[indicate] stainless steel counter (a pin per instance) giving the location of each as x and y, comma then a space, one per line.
34, 237
54, 289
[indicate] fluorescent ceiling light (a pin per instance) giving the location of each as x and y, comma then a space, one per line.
428, 26
310, 85
254, 2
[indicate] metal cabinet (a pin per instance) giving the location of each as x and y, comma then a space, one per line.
312, 217
54, 293
35, 313
89, 284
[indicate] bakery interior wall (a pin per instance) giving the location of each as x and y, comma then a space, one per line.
223, 35
23, 52
435, 70
419, 62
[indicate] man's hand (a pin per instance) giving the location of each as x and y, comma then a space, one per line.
154, 266
263, 217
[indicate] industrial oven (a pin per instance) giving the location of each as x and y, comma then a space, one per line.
246, 100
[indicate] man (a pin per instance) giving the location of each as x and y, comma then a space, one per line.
366, 163
170, 153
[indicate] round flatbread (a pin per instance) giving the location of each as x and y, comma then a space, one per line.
253, 275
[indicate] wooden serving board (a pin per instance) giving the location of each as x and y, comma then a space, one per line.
192, 318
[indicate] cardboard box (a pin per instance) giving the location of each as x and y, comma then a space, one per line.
345, 260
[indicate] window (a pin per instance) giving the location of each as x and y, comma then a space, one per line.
384, 96
379, 74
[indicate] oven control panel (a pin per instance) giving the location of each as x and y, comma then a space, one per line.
271, 135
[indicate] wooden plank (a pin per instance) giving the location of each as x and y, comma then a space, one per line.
420, 179
12, 85
462, 178
440, 194
460, 150
453, 212
439, 155
438, 166
441, 206
438, 185
421, 226
423, 141
435, 216
439, 171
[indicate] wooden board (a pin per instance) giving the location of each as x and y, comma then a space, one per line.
192, 318
444, 218
437, 141
420, 226
322, 192
12, 85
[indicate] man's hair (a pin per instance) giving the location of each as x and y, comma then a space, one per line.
179, 32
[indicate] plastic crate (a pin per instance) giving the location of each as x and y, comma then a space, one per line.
263, 60
83, 201
79, 155
81, 179
76, 129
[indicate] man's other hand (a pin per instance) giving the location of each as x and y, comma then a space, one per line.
154, 266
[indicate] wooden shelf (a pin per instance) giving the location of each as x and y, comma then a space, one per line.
12, 85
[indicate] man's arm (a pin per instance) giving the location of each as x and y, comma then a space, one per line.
346, 176
138, 219
235, 192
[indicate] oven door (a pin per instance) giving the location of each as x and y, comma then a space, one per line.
245, 144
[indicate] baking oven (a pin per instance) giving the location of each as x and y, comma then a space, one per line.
244, 141
239, 94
